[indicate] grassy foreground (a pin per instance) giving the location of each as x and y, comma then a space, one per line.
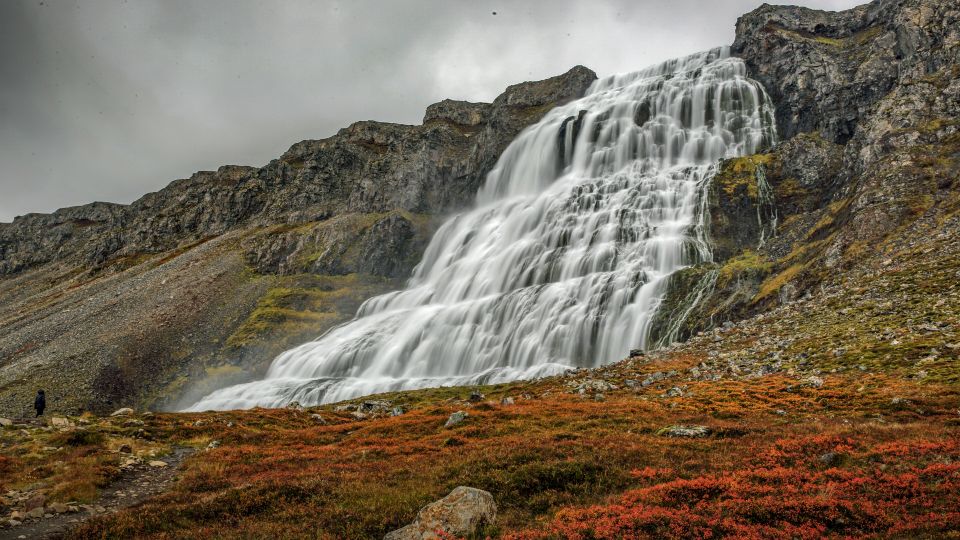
861, 455
837, 416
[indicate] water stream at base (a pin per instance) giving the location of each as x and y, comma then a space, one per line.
563, 261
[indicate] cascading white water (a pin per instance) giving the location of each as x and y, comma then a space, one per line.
563, 261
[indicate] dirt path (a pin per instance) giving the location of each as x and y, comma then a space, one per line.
133, 486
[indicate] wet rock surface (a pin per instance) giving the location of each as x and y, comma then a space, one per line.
868, 109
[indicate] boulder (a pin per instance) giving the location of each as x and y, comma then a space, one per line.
36, 513
456, 418
461, 513
688, 431
34, 502
4, 422
157, 463
126, 411
58, 508
591, 386
60, 422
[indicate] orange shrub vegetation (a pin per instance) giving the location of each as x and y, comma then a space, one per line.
561, 465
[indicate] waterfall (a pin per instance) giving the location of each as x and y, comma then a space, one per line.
563, 261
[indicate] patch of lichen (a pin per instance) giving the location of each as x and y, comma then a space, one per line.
827, 219
790, 188
775, 282
739, 175
749, 265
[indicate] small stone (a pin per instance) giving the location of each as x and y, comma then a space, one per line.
456, 418
213, 444
125, 449
157, 463
58, 421
59, 508
14, 522
6, 422
319, 419
506, 401
690, 431
676, 391
831, 459
125, 411
397, 411
900, 403
599, 397
476, 397
780, 412
36, 513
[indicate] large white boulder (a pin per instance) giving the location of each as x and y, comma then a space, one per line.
460, 513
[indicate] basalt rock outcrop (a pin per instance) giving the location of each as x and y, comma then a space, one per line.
868, 109
207, 279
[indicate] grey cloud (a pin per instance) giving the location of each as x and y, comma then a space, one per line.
109, 99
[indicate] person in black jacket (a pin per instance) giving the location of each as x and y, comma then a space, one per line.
40, 402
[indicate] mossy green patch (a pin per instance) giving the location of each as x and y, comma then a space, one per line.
774, 283
748, 264
740, 174
299, 306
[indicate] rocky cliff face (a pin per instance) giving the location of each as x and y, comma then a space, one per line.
868, 102
210, 277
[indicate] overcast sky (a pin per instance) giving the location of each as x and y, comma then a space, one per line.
110, 99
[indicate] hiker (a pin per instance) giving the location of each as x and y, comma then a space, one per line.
40, 403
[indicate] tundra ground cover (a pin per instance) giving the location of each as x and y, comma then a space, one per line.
834, 460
